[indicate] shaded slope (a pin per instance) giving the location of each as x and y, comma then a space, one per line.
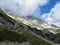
20, 31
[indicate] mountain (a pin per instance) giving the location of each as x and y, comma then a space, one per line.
22, 29
33, 22
15, 31
30, 20
53, 25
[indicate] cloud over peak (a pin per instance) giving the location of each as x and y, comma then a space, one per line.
54, 16
23, 7
28, 7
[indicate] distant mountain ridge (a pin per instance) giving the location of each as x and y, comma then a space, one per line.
29, 20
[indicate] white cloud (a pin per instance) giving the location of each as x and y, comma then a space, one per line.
9, 4
30, 6
23, 7
56, 12
27, 7
54, 16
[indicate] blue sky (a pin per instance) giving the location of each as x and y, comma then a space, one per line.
47, 10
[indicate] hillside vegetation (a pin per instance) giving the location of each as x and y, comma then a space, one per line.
15, 31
